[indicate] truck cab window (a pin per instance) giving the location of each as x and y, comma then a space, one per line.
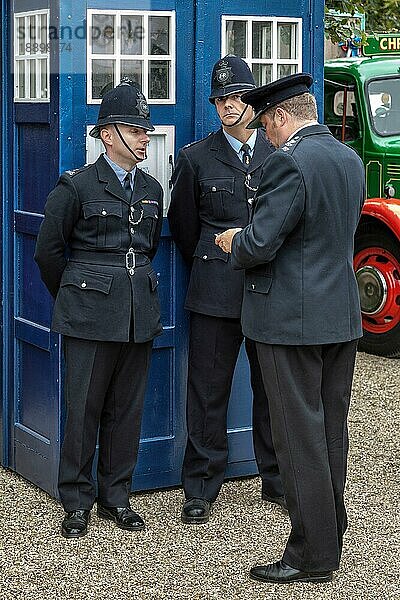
384, 105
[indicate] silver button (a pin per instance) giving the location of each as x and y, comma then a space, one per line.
253, 287
205, 257
250, 200
103, 212
213, 189
132, 230
83, 284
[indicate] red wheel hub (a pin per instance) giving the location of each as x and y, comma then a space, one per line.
378, 278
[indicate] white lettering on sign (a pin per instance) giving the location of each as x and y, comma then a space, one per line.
389, 43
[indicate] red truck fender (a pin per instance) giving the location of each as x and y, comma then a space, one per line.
386, 210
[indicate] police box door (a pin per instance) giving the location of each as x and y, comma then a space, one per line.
63, 63
276, 39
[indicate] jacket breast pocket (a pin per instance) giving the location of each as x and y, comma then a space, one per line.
217, 194
148, 222
103, 223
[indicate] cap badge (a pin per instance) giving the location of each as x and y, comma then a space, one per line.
142, 106
224, 74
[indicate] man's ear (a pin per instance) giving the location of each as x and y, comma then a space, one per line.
106, 136
280, 116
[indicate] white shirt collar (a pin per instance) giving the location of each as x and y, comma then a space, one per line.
120, 171
237, 144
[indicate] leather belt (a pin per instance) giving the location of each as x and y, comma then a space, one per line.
129, 260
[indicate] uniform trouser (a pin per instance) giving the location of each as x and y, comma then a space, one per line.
214, 346
309, 391
105, 384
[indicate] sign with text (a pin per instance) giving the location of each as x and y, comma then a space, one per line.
382, 44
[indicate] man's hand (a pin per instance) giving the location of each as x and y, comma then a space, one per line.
224, 240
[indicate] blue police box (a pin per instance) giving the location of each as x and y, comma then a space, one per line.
57, 60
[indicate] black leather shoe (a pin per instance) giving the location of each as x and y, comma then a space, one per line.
75, 524
196, 511
279, 500
123, 517
280, 572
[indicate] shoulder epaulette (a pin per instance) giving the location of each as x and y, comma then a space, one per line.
197, 141
290, 144
74, 172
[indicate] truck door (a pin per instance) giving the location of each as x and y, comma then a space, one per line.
345, 126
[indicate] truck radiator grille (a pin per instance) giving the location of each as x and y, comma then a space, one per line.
393, 170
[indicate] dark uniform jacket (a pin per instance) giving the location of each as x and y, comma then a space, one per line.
82, 251
209, 195
300, 286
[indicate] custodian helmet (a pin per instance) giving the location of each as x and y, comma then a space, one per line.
125, 105
230, 75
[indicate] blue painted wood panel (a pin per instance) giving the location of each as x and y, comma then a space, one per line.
35, 173
33, 392
32, 301
158, 414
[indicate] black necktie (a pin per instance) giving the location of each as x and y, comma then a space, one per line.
246, 156
127, 186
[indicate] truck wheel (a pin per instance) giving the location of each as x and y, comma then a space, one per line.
377, 267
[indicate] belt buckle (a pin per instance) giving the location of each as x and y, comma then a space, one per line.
130, 261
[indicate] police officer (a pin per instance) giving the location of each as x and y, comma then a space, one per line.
301, 305
107, 217
214, 183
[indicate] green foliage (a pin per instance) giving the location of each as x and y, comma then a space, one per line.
381, 16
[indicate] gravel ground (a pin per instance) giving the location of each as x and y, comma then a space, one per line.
170, 560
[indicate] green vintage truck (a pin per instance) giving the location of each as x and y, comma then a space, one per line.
369, 88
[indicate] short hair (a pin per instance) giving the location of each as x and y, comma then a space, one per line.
301, 108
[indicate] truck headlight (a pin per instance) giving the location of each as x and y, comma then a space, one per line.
390, 192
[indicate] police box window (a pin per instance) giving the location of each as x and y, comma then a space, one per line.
31, 56
270, 45
134, 45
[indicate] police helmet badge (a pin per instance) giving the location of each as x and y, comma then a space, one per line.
142, 106
125, 104
224, 73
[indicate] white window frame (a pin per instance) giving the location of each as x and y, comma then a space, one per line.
145, 57
37, 58
274, 60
